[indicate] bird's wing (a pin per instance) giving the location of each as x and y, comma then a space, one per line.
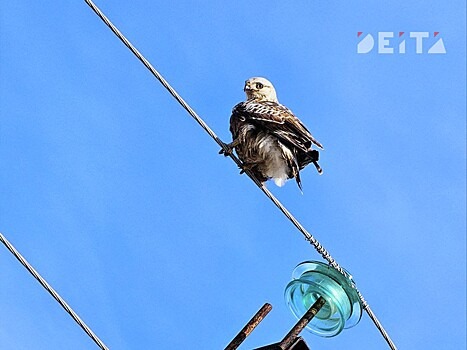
278, 120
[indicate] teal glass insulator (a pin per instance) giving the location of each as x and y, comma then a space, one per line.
312, 279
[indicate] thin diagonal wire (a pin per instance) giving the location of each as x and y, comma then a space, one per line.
308, 236
52, 292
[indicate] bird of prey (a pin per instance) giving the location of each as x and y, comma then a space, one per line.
269, 139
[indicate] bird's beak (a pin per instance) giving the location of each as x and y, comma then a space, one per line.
247, 88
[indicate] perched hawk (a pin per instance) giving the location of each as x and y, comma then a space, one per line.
268, 138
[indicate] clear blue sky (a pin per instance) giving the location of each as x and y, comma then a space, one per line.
121, 201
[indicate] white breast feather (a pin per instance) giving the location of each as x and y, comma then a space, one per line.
276, 166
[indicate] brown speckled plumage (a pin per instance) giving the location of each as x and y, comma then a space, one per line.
268, 138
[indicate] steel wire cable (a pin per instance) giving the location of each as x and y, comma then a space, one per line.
52, 292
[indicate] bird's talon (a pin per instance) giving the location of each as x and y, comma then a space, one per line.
227, 151
246, 166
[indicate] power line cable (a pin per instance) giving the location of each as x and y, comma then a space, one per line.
308, 236
52, 292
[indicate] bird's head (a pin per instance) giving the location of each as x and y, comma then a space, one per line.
260, 89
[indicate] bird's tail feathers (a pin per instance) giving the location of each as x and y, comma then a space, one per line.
299, 181
320, 171
317, 143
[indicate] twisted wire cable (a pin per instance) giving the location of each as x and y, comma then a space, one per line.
52, 292
308, 236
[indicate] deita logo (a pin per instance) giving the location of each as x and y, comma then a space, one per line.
389, 43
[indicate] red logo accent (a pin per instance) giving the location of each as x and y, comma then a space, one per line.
359, 33
401, 33
436, 33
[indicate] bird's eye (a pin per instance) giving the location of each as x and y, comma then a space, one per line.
259, 86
